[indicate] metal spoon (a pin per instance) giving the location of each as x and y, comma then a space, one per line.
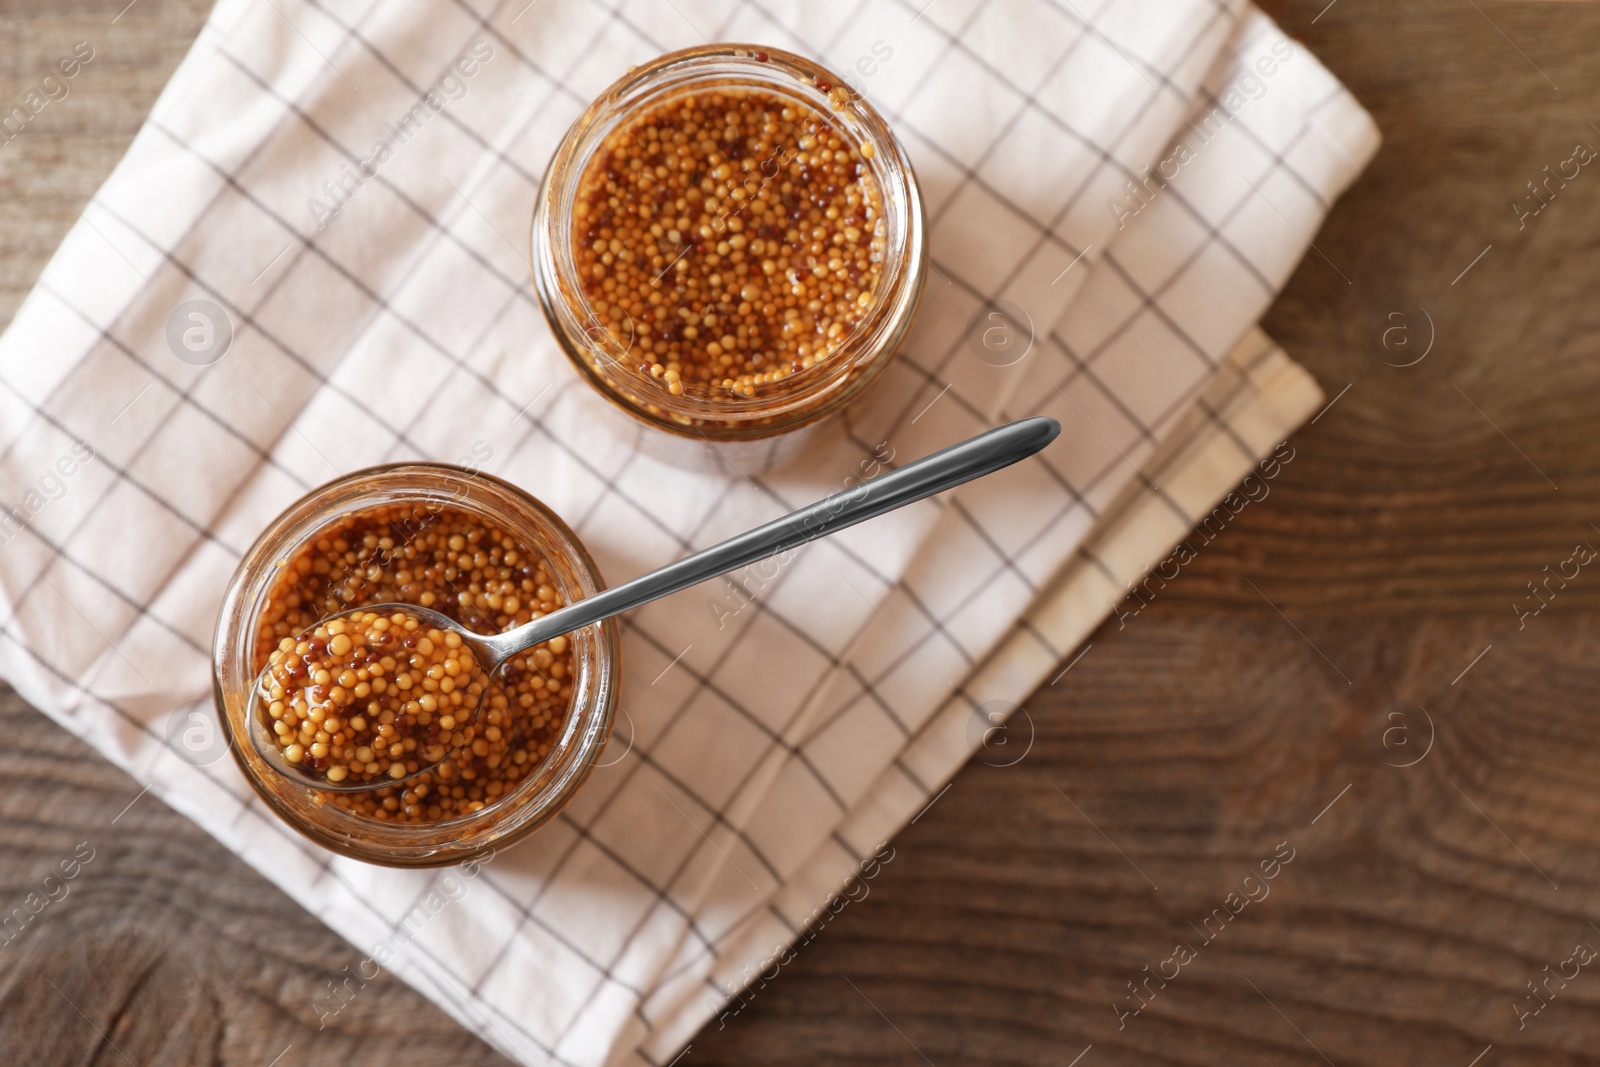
949, 467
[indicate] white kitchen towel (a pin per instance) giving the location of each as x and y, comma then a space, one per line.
1245, 413
384, 314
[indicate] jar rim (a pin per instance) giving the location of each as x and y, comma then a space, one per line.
800, 398
540, 794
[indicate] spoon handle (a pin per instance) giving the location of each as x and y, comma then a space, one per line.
949, 467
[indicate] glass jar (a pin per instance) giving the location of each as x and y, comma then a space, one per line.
531, 801
607, 358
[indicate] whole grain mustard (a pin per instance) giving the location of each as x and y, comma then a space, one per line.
730, 238
380, 694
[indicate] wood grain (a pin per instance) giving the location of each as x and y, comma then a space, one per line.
1178, 753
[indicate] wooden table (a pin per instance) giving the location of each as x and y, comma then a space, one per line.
1360, 619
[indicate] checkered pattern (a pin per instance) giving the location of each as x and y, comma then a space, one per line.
779, 724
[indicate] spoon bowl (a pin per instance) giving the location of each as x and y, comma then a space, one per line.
489, 654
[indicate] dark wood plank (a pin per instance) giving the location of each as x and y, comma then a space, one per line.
1410, 499
1178, 753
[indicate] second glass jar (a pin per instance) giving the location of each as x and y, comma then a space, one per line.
612, 347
